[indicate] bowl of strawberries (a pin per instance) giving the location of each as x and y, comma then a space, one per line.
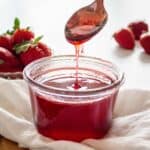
18, 48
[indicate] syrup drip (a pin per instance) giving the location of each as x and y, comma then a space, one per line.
76, 85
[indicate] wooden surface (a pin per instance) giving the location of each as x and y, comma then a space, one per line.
8, 145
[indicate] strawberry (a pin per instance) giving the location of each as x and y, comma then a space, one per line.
18, 34
33, 53
45, 48
5, 41
32, 50
7, 59
138, 28
125, 38
21, 35
145, 42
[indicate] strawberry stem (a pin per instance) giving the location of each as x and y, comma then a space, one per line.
36, 40
8, 32
15, 27
16, 24
22, 47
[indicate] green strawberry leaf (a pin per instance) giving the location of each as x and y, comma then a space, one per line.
15, 27
36, 40
1, 61
16, 24
23, 47
8, 32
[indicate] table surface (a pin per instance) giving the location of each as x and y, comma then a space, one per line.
8, 145
48, 18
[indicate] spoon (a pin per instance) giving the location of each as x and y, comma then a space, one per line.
86, 22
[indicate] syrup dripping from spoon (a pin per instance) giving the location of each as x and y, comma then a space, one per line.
83, 25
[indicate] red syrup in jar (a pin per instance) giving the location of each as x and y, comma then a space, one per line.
73, 118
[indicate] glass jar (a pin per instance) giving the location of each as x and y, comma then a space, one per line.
62, 112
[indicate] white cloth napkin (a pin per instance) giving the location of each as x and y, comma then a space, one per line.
130, 130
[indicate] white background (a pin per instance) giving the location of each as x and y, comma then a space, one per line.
48, 18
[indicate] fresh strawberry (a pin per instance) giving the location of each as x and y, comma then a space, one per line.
125, 38
18, 34
138, 28
33, 53
32, 50
21, 35
45, 48
7, 58
145, 42
5, 41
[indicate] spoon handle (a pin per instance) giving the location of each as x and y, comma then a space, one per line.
99, 6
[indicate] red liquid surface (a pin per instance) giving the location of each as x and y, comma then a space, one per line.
72, 118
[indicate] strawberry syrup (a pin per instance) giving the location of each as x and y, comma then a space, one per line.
73, 118
76, 84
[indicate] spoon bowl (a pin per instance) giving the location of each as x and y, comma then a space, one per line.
86, 22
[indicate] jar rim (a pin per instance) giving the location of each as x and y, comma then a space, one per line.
57, 91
